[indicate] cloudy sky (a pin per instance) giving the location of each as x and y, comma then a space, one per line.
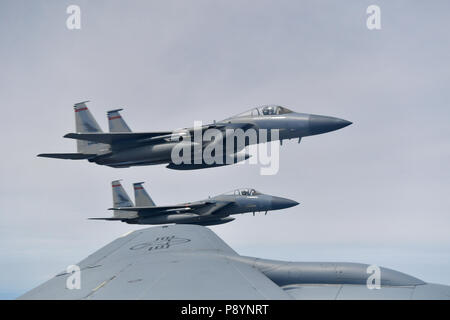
376, 192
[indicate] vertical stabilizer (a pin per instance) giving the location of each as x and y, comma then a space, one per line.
141, 196
120, 199
86, 123
116, 122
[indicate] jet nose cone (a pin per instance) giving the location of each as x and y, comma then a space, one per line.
323, 124
282, 203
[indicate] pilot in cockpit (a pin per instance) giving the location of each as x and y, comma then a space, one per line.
269, 110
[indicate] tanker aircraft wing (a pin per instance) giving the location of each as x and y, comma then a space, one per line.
170, 262
192, 262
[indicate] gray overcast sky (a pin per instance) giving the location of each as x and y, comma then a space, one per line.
375, 192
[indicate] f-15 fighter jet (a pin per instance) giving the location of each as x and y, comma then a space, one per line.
212, 211
122, 148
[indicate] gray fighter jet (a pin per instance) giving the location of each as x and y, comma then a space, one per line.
122, 148
212, 211
192, 262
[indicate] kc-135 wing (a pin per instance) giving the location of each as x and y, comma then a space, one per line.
192, 262
170, 262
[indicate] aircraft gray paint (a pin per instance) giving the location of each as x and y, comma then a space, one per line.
212, 211
192, 262
122, 148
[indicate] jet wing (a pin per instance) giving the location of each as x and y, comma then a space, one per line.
120, 137
206, 207
116, 138
169, 262
108, 219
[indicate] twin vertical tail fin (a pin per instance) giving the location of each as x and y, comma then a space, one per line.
122, 200
141, 196
116, 122
85, 122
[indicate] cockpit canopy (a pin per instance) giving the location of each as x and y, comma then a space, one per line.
267, 110
243, 192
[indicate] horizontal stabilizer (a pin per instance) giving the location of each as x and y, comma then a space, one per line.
70, 156
109, 219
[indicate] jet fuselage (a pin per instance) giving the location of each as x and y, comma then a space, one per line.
289, 126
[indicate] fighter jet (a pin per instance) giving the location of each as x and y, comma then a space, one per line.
122, 148
212, 211
192, 262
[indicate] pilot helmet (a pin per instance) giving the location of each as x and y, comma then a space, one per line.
268, 110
